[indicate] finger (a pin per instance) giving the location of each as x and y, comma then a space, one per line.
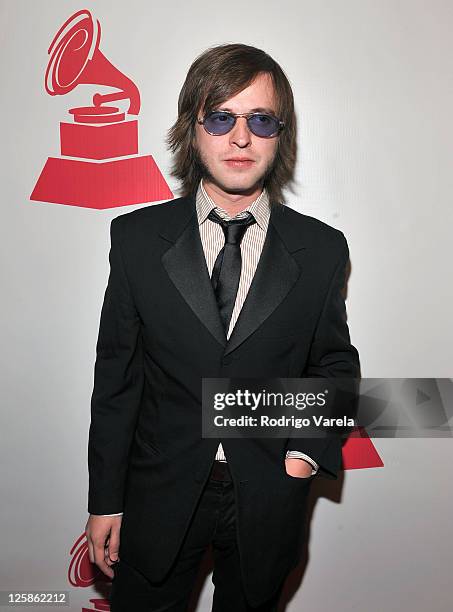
100, 561
114, 544
108, 559
90, 546
90, 550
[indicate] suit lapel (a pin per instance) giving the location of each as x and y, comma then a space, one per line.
276, 273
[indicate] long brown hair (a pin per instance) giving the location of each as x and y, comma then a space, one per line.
215, 76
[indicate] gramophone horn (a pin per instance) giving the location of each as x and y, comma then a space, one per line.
75, 58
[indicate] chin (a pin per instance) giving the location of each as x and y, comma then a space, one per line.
239, 185
236, 188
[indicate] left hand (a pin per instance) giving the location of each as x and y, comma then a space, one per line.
298, 468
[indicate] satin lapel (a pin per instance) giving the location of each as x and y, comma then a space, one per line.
185, 264
276, 273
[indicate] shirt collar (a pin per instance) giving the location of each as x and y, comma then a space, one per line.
259, 208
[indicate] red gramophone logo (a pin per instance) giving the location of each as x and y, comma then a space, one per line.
99, 166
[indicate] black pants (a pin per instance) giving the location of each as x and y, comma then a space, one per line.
214, 522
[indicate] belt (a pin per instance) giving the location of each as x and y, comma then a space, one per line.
220, 471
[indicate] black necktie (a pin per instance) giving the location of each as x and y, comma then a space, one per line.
227, 268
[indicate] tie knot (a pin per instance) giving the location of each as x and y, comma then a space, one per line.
234, 229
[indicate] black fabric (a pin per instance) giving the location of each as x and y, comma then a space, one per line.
213, 524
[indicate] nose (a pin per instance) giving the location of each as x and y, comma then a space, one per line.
240, 135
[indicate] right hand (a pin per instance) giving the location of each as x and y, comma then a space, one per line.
103, 536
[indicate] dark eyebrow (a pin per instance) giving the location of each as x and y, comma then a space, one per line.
269, 111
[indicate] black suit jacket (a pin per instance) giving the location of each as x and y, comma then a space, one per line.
160, 334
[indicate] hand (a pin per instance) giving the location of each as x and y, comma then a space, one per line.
298, 467
103, 536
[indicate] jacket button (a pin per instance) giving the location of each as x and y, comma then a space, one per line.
227, 360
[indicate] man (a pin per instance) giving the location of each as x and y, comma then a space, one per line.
225, 281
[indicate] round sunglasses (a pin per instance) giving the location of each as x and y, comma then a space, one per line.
219, 123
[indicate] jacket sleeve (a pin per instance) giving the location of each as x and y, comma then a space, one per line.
118, 385
331, 355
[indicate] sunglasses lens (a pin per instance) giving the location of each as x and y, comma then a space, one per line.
218, 123
263, 125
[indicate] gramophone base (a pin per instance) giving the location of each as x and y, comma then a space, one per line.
89, 184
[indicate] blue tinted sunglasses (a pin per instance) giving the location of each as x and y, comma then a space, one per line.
219, 123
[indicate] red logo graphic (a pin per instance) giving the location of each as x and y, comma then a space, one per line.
359, 451
100, 166
100, 605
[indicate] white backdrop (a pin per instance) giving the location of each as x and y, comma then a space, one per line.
374, 94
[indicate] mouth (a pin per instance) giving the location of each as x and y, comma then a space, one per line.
239, 162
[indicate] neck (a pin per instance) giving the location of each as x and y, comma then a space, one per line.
233, 203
